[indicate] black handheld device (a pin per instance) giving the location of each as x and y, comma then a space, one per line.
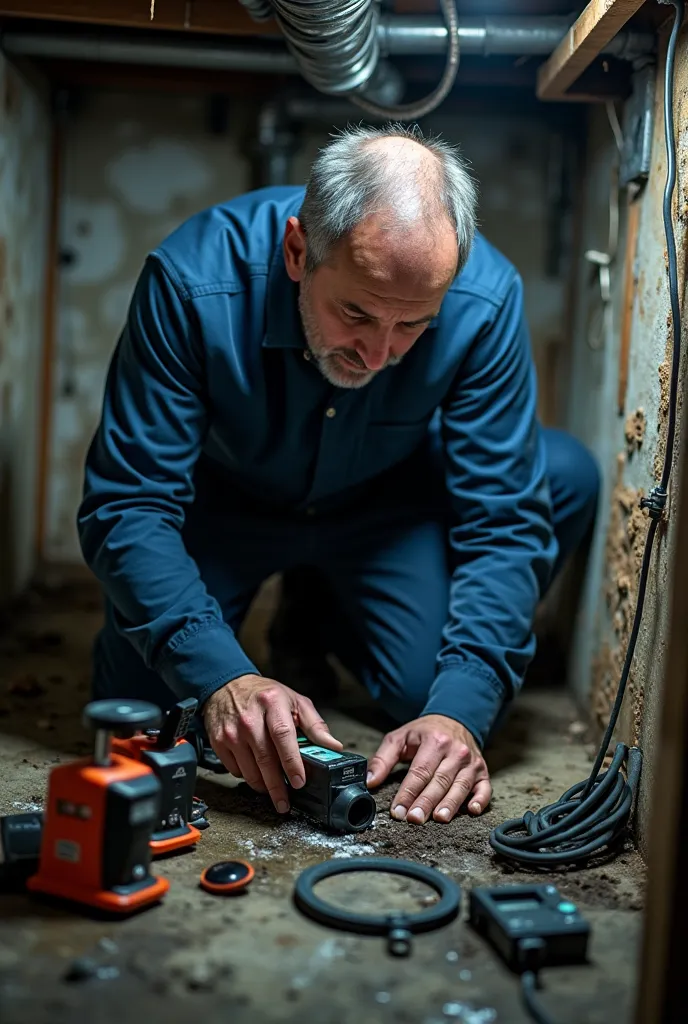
335, 793
532, 926
527, 923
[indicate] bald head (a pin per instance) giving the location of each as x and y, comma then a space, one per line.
411, 240
395, 175
411, 179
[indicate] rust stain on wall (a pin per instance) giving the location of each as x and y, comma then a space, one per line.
623, 559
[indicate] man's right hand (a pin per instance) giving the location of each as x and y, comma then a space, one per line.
251, 724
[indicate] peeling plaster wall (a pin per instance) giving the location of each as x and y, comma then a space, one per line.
629, 446
135, 166
24, 183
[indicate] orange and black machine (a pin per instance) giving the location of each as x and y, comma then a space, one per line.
173, 759
100, 815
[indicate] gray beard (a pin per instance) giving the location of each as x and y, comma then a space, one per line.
325, 359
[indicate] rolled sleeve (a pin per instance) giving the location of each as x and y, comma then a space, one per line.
201, 659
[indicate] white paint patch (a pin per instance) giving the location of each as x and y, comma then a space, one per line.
68, 423
93, 231
149, 178
90, 385
24, 808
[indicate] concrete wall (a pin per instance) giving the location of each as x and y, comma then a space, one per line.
24, 183
135, 166
629, 446
138, 164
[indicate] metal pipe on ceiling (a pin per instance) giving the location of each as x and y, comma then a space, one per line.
399, 35
489, 36
111, 49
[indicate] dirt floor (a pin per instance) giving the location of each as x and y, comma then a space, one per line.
254, 957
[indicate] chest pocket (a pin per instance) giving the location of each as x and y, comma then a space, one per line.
386, 444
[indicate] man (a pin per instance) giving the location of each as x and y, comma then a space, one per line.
343, 380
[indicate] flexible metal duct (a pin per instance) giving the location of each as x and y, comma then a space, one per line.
335, 42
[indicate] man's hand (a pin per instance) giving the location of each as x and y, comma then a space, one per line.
446, 768
251, 724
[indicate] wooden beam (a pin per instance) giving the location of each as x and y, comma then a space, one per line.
227, 17
595, 27
661, 995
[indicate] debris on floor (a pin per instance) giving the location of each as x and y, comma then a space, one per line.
255, 952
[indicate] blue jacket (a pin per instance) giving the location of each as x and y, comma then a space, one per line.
210, 363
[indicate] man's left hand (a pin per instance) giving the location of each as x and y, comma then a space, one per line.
447, 768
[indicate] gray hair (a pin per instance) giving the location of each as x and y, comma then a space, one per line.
349, 181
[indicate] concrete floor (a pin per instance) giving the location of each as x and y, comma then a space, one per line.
254, 957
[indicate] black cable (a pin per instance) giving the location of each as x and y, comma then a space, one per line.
530, 1001
414, 111
593, 814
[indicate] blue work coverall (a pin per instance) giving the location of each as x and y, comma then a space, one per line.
431, 499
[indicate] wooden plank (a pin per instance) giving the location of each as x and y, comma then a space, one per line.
595, 27
227, 17
629, 284
661, 971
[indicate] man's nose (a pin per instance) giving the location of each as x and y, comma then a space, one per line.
375, 350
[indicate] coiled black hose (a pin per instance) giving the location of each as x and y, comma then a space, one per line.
594, 814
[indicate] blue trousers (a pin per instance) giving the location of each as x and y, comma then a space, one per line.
385, 561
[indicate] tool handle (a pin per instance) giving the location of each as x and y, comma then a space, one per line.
176, 723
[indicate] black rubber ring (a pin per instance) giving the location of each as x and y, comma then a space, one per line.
378, 924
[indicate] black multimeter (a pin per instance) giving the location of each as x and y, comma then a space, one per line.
527, 922
335, 793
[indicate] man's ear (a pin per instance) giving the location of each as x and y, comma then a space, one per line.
294, 248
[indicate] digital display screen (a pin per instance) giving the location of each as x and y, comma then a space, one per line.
518, 906
322, 753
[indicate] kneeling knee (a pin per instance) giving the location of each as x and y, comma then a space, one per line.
575, 474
